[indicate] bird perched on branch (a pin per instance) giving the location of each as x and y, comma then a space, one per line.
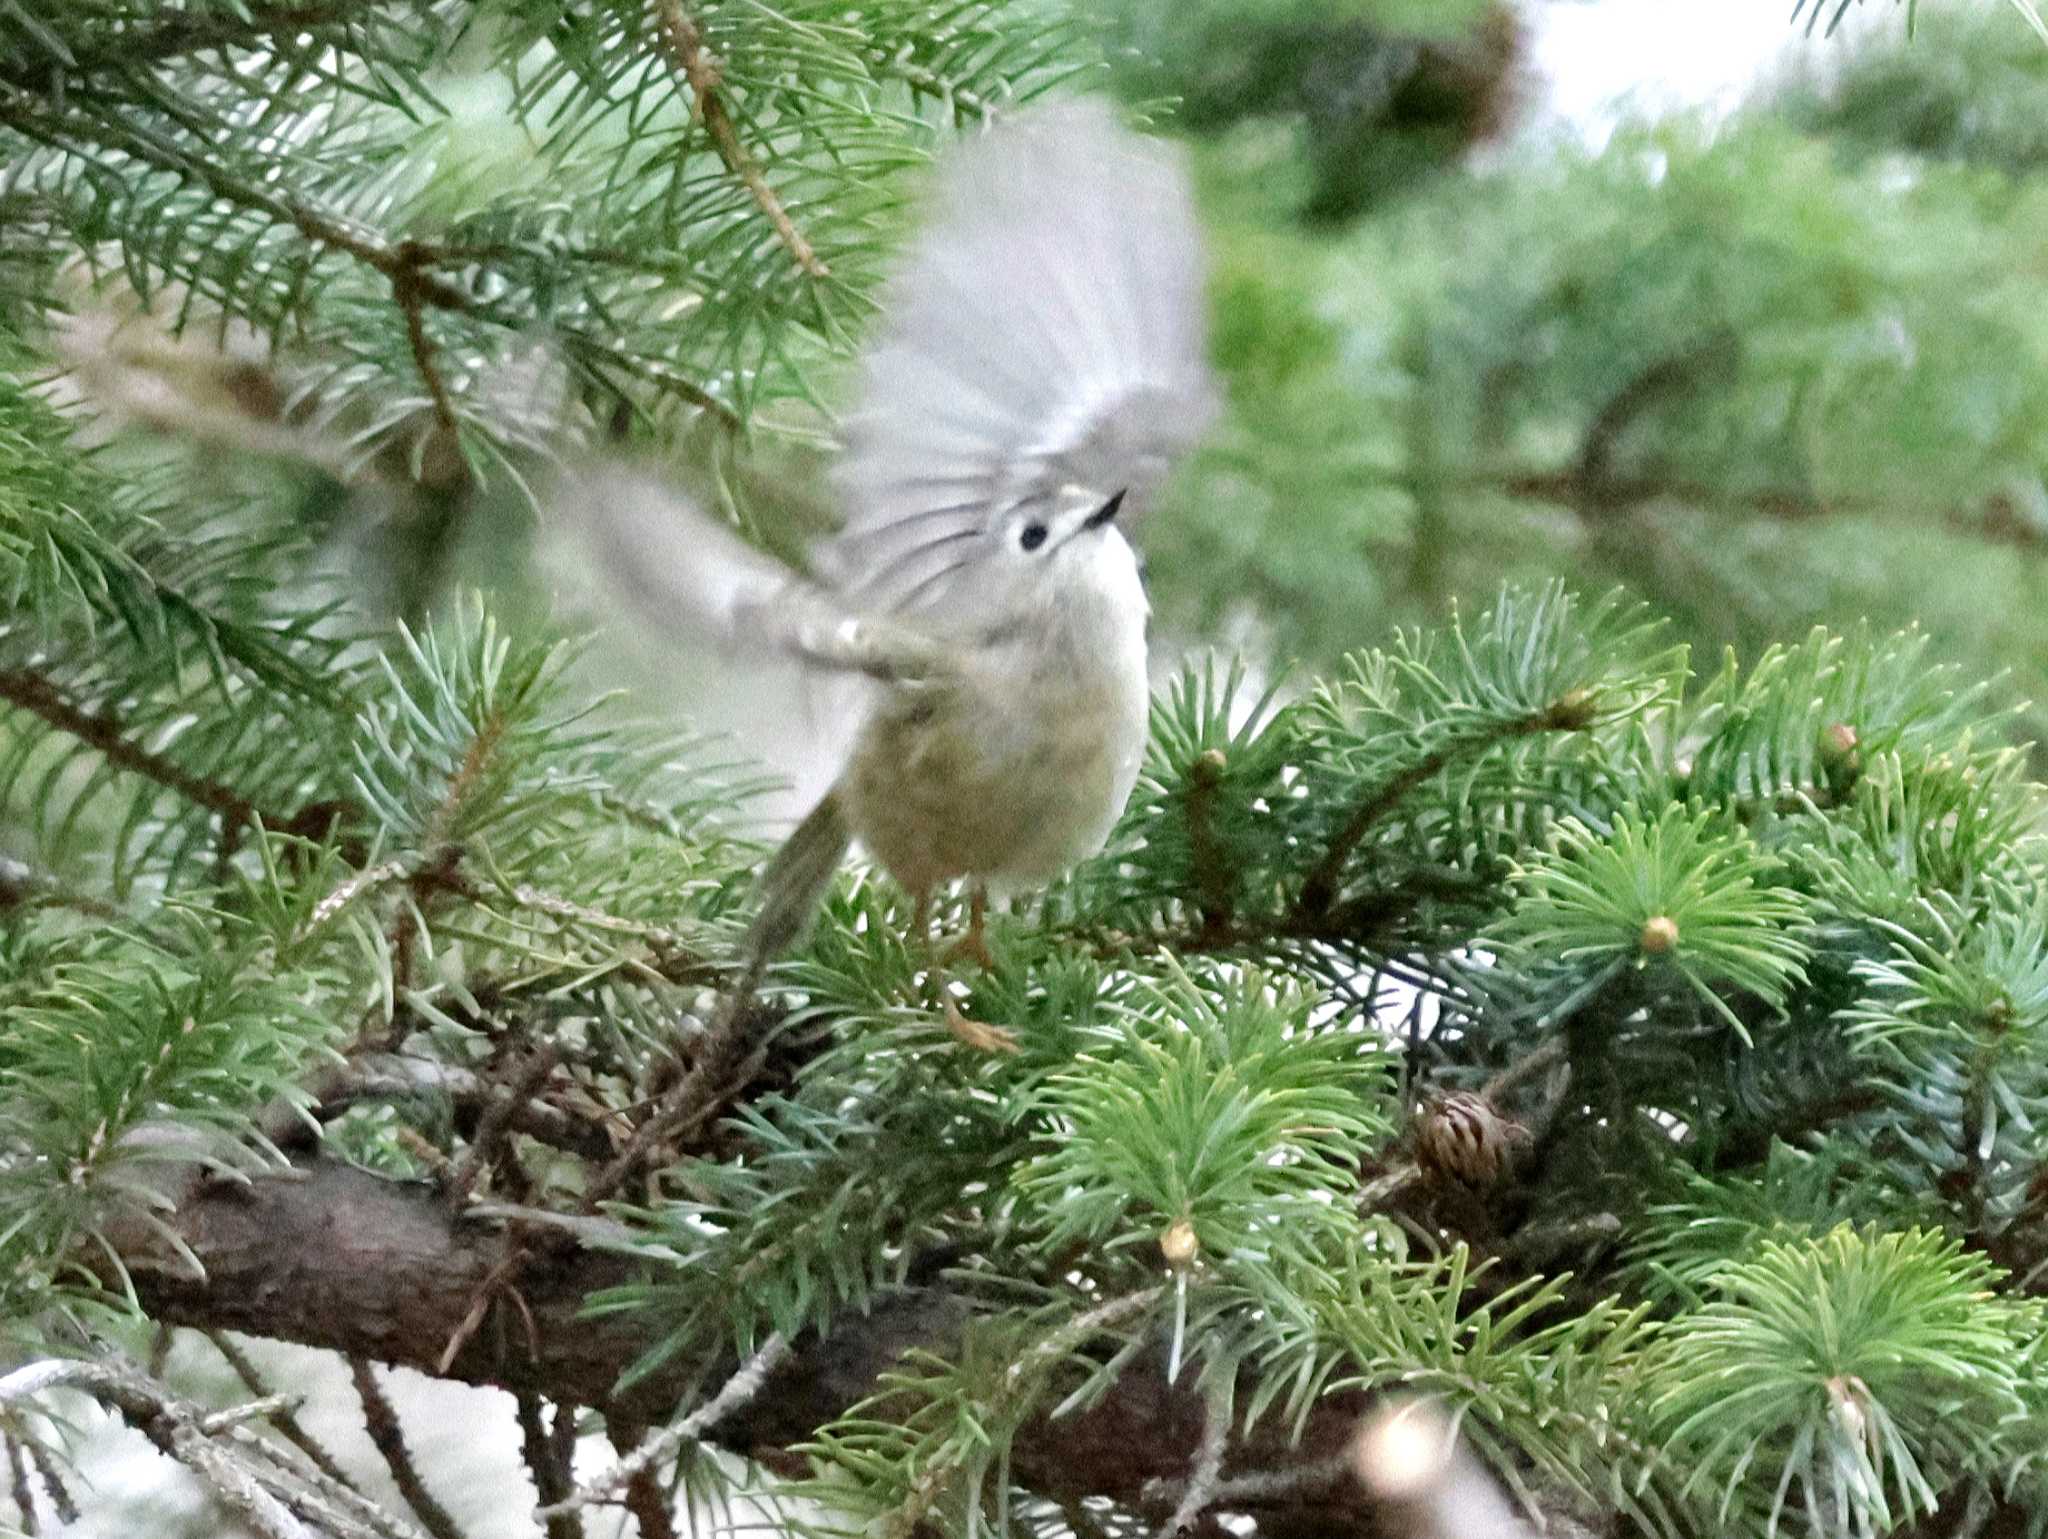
1039, 366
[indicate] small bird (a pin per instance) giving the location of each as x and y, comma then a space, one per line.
1039, 367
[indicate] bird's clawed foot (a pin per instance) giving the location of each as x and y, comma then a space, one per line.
973, 946
979, 1035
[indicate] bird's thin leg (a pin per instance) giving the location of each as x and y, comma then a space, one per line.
979, 1035
975, 942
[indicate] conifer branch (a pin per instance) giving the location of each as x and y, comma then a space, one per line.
191, 32
405, 264
339, 1258
380, 1420
697, 67
1319, 891
398, 261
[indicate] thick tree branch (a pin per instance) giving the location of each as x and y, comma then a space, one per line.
334, 1257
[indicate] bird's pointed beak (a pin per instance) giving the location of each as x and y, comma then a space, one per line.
1103, 516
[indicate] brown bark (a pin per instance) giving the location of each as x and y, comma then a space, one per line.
332, 1256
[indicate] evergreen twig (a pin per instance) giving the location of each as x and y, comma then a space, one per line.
698, 69
41, 696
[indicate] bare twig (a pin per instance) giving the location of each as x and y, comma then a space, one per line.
742, 1387
649, 1505
547, 1460
926, 82
1670, 378
407, 289
1081, 1522
347, 892
494, 1123
381, 1421
330, 1505
178, 1428
53, 1483
720, 1066
159, 1351
514, 1256
677, 958
1530, 1065
698, 68
22, 885
285, 1420
1255, 1487
1206, 1472
389, 1076
24, 1494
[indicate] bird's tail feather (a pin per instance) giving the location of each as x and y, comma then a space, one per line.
795, 880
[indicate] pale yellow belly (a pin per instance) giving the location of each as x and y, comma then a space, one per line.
942, 787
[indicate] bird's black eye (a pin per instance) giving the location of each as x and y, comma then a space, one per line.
1032, 537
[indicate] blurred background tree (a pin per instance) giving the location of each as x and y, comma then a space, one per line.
1756, 366
1646, 1060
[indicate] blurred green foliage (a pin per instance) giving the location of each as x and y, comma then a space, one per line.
1763, 371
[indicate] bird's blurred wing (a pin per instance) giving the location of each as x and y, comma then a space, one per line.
688, 573
1046, 331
